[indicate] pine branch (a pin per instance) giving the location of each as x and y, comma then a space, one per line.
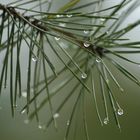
83, 44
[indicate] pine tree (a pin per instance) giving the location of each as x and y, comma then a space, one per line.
71, 55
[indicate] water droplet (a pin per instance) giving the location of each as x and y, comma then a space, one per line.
23, 111
62, 24
34, 58
120, 111
26, 121
56, 115
98, 60
58, 16
15, 106
102, 19
68, 122
24, 94
69, 15
40, 126
57, 38
83, 75
106, 120
86, 44
86, 31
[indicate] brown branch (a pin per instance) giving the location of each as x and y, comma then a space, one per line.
42, 28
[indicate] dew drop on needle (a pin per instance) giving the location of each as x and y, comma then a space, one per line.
62, 24
24, 94
68, 122
86, 31
69, 15
40, 126
34, 59
86, 44
23, 111
120, 111
106, 120
57, 38
56, 115
102, 19
15, 106
58, 16
83, 75
98, 60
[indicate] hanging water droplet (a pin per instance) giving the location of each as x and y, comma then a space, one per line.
62, 24
26, 121
34, 58
86, 44
24, 94
57, 38
98, 60
69, 15
68, 122
83, 75
23, 111
120, 111
40, 126
106, 120
56, 115
86, 31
